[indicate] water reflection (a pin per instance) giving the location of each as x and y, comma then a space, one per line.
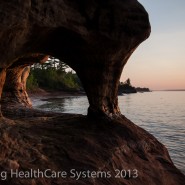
53, 104
72, 104
162, 114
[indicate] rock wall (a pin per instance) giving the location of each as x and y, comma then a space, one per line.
95, 38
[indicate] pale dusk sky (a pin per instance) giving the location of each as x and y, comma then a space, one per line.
159, 62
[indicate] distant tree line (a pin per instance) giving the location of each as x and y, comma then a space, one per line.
127, 88
56, 75
53, 75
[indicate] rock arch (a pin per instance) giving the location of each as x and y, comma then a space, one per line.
95, 38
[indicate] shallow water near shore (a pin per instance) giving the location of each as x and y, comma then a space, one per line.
162, 113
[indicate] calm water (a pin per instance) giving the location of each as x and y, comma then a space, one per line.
160, 113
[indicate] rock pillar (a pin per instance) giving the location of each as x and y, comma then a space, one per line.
15, 86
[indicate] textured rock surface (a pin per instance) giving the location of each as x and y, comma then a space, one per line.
94, 37
14, 91
62, 143
2, 81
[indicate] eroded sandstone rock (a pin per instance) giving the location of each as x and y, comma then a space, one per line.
2, 81
14, 92
94, 37
66, 142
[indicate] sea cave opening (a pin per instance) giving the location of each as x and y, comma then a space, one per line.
54, 86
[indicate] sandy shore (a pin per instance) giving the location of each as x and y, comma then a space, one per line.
41, 93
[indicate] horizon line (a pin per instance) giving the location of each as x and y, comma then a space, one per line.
170, 90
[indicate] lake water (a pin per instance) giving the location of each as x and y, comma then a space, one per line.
162, 113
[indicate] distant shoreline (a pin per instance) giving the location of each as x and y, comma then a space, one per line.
48, 93
171, 90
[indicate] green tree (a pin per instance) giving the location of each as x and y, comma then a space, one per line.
53, 75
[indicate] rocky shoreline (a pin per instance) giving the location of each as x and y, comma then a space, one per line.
62, 142
96, 40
